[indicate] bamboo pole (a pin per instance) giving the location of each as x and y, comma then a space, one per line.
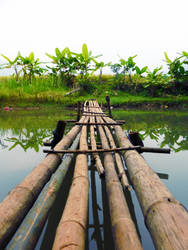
29, 231
165, 217
95, 151
18, 202
124, 231
70, 233
120, 167
98, 162
100, 150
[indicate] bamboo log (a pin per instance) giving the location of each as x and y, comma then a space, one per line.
29, 231
98, 162
98, 123
120, 167
16, 205
95, 151
124, 232
70, 233
72, 91
165, 217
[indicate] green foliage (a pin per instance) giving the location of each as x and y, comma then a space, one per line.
99, 66
85, 61
121, 69
12, 64
68, 69
177, 67
65, 67
30, 66
141, 71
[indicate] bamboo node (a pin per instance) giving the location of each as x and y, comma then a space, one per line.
77, 222
163, 200
58, 156
79, 177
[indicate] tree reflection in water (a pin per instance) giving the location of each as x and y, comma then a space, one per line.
166, 129
29, 138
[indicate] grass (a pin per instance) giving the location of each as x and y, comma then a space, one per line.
43, 90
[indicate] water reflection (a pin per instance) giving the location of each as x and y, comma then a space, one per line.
26, 138
174, 138
173, 135
166, 129
28, 129
22, 132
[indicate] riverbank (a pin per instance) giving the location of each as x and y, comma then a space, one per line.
43, 93
123, 102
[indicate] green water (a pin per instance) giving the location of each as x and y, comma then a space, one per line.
21, 148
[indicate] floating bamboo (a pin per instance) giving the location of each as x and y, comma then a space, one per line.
29, 231
98, 162
165, 217
120, 167
70, 233
16, 205
124, 231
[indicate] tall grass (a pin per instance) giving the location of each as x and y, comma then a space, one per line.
46, 89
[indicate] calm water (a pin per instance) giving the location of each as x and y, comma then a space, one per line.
21, 137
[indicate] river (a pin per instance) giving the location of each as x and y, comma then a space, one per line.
22, 133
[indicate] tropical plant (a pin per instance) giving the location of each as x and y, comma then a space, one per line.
12, 64
65, 65
85, 60
156, 82
138, 75
121, 69
30, 66
128, 67
177, 67
99, 66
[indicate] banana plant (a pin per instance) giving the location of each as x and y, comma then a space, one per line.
12, 64
99, 66
85, 59
128, 67
65, 65
30, 66
177, 68
141, 71
138, 75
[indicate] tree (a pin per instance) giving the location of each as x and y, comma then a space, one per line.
99, 66
65, 65
12, 64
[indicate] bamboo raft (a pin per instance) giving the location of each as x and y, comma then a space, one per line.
24, 211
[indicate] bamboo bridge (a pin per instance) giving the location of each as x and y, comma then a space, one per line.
24, 211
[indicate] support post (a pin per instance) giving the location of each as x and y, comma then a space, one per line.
78, 111
108, 105
58, 133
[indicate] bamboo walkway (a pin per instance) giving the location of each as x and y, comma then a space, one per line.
25, 210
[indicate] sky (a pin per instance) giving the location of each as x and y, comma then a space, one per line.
115, 29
